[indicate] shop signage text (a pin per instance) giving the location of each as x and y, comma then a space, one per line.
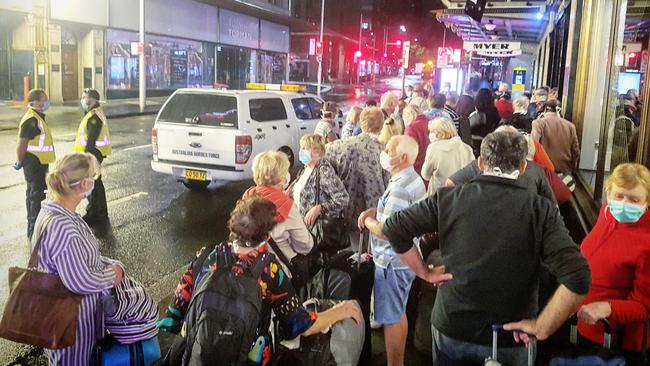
491, 46
238, 29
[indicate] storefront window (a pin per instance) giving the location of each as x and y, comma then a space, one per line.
235, 66
614, 138
170, 63
271, 67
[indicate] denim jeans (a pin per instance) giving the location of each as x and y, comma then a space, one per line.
451, 352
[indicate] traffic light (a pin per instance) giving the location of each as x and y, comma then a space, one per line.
357, 54
399, 43
319, 48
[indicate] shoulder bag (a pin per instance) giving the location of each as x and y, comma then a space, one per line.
40, 310
331, 233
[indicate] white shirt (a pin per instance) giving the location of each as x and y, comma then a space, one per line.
300, 184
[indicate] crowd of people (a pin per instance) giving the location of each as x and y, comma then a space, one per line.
478, 171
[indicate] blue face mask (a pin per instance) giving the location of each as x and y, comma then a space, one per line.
304, 156
46, 105
625, 212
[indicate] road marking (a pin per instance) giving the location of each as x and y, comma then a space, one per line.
127, 198
137, 147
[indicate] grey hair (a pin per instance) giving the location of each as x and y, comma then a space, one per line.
452, 98
521, 103
503, 150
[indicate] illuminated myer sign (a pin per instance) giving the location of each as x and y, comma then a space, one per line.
488, 46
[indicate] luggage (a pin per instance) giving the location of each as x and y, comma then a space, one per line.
422, 338
361, 269
592, 355
224, 314
40, 310
346, 337
130, 313
493, 361
331, 233
109, 352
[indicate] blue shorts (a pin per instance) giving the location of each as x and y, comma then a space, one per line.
392, 288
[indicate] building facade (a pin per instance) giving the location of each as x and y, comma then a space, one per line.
64, 46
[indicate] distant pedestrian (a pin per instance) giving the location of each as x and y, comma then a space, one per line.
351, 123
445, 155
94, 138
69, 249
485, 118
437, 104
559, 138
325, 127
451, 98
519, 118
417, 98
390, 107
391, 128
502, 103
417, 126
35, 152
465, 105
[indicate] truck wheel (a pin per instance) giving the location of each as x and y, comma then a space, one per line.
196, 186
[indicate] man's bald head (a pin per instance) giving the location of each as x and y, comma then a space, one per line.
404, 145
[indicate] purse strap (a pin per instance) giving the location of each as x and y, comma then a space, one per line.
281, 255
36, 239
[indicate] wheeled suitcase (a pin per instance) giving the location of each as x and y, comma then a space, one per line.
493, 360
109, 352
361, 269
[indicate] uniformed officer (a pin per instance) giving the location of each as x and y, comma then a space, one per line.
35, 152
93, 137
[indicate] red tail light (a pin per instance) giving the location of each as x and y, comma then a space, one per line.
243, 149
154, 141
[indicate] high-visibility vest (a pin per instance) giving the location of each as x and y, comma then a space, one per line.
103, 143
42, 145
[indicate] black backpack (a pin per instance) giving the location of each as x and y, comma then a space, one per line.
224, 314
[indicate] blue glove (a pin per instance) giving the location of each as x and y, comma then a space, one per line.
18, 165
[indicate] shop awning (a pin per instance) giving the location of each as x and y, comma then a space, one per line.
503, 20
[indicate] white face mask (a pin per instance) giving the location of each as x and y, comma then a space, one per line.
433, 137
384, 161
497, 172
90, 191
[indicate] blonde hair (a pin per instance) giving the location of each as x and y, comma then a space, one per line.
312, 141
354, 115
391, 128
371, 120
443, 128
411, 110
68, 170
628, 176
521, 103
270, 167
388, 100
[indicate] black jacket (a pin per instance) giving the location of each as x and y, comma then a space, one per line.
494, 236
519, 121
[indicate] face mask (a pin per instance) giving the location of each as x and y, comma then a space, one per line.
90, 191
384, 161
433, 137
46, 105
304, 156
408, 94
84, 105
497, 172
625, 212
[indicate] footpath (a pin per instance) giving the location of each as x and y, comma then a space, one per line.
12, 111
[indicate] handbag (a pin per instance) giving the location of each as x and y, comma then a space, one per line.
40, 310
331, 233
302, 267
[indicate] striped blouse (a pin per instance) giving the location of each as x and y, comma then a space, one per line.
69, 249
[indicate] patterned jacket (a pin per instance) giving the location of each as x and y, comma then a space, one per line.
334, 197
356, 162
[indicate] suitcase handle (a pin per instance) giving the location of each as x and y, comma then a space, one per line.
531, 347
607, 330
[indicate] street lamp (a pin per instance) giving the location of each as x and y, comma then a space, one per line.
320, 58
402, 28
